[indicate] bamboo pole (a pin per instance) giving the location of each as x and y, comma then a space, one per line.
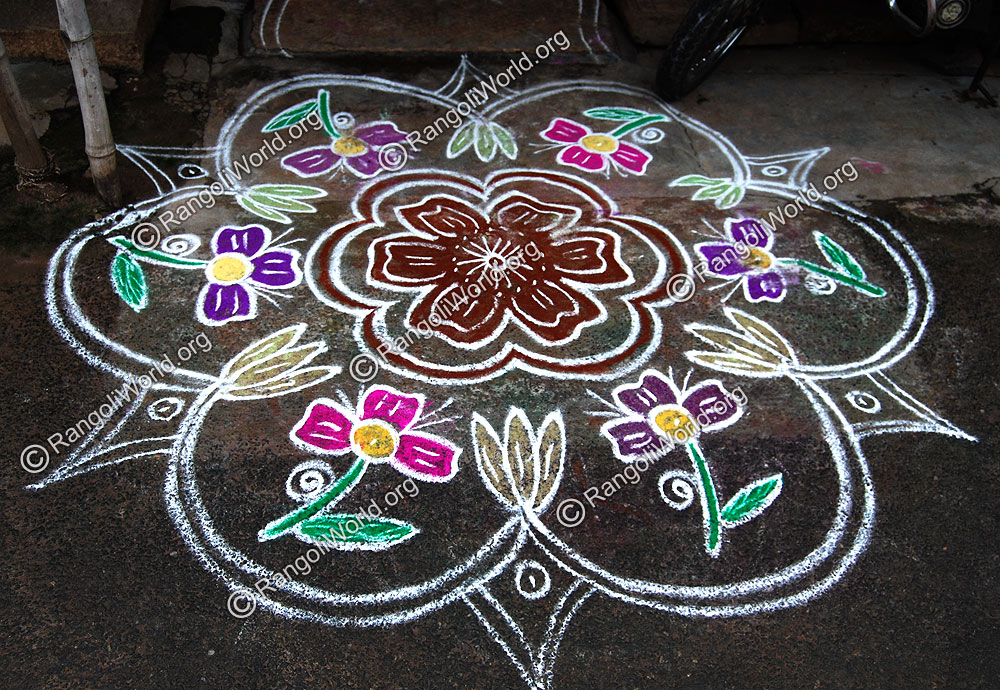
100, 145
28, 153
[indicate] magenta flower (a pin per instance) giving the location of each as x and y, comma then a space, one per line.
244, 264
377, 432
594, 152
654, 410
745, 257
357, 150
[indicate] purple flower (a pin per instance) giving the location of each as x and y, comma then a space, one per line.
654, 410
746, 258
358, 150
243, 265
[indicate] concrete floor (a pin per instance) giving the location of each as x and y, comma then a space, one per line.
101, 589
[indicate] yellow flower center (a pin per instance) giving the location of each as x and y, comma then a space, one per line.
757, 259
375, 440
349, 146
601, 143
674, 422
229, 268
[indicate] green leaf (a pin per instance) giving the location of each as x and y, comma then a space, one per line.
838, 256
730, 199
694, 181
295, 191
462, 139
287, 118
751, 501
262, 211
154, 256
129, 281
712, 192
505, 141
281, 203
486, 146
614, 113
324, 113
343, 528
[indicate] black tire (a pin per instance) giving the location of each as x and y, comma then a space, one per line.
708, 30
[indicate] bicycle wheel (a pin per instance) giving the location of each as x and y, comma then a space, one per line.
708, 30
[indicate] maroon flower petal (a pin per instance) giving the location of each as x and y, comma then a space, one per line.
443, 217
591, 256
529, 216
458, 315
409, 262
722, 259
653, 390
311, 162
768, 286
632, 438
391, 406
324, 428
712, 406
221, 303
247, 241
428, 458
379, 133
276, 268
553, 310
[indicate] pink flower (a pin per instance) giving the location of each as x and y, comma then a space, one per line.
593, 152
377, 433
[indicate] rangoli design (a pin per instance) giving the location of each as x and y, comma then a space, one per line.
539, 337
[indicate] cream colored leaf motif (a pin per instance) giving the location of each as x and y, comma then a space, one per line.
520, 464
288, 382
763, 332
277, 364
550, 455
523, 471
734, 343
732, 364
490, 459
264, 348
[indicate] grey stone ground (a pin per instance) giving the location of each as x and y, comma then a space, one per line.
98, 590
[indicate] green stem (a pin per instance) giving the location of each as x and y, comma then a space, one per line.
324, 114
710, 501
338, 490
636, 124
862, 285
154, 255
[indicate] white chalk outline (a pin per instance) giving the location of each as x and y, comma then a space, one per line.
792, 585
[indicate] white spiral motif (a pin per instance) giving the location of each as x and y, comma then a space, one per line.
680, 486
343, 121
649, 135
181, 245
819, 285
308, 479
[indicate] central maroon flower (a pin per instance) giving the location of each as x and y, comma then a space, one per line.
518, 259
